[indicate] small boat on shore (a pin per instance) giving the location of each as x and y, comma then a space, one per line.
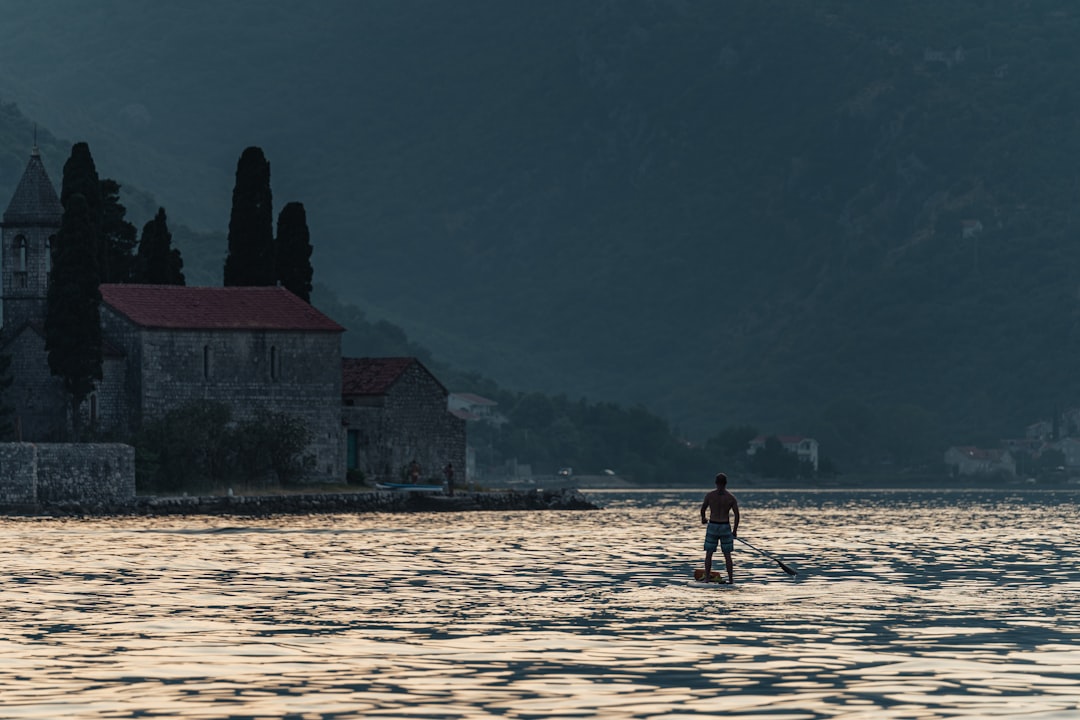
408, 487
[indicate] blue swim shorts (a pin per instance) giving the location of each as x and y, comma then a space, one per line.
719, 533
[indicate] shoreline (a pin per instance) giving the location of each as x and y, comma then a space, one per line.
309, 503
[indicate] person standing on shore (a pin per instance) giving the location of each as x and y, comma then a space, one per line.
448, 471
722, 507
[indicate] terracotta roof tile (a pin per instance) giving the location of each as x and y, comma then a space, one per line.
372, 376
215, 308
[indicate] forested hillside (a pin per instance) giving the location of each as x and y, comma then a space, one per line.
739, 212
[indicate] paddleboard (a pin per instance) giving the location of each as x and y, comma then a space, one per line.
714, 577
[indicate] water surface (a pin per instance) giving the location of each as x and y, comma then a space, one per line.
906, 605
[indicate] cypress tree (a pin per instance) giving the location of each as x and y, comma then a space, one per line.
251, 225
118, 236
158, 262
73, 320
81, 178
294, 251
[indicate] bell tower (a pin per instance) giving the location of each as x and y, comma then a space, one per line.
29, 224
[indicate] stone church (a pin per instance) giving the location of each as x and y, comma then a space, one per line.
255, 348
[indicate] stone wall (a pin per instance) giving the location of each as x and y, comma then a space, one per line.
410, 422
325, 503
18, 474
93, 473
25, 269
255, 371
36, 396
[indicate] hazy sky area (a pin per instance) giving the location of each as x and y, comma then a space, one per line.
749, 212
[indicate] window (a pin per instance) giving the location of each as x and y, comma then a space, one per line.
20, 253
206, 362
274, 369
93, 407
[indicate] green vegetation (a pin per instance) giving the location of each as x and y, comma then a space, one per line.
72, 321
294, 251
201, 447
251, 231
157, 261
117, 252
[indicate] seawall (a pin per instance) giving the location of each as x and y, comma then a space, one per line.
310, 503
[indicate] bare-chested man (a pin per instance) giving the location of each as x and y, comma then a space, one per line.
720, 530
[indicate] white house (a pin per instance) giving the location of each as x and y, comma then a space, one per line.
805, 448
469, 406
969, 460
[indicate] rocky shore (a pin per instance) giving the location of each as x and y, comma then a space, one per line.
309, 503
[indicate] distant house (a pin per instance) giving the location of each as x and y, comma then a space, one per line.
805, 448
471, 407
1070, 448
395, 411
970, 460
1041, 430
970, 228
1027, 445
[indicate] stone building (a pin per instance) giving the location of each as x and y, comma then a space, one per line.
395, 412
256, 348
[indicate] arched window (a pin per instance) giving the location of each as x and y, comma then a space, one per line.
20, 253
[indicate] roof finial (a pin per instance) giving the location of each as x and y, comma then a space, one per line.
35, 151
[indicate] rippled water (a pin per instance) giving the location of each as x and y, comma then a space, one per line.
907, 605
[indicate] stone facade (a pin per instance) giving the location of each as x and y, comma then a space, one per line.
294, 372
31, 220
90, 473
258, 349
396, 412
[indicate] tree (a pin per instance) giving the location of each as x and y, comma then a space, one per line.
732, 442
81, 178
272, 444
774, 461
117, 237
157, 261
188, 447
294, 251
251, 255
72, 316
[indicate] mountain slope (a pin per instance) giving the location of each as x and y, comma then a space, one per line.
737, 212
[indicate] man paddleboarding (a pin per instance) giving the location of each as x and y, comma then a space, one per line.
722, 506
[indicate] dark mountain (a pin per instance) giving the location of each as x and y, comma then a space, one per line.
841, 218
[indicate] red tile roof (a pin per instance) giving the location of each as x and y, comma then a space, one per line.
372, 376
215, 308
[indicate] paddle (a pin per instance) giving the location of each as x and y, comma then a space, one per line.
779, 562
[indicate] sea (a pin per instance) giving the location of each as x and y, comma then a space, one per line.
905, 604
